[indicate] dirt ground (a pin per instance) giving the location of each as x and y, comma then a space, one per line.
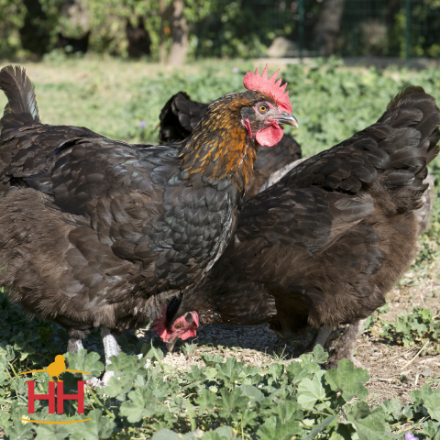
395, 370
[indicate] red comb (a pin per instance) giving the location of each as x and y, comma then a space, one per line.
269, 87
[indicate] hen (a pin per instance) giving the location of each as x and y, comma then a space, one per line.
95, 232
323, 245
180, 116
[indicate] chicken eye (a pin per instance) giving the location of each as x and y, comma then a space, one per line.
178, 325
262, 108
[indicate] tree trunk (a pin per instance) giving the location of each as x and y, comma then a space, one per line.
179, 33
328, 26
162, 50
77, 12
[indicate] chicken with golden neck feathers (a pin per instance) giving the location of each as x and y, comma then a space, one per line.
97, 233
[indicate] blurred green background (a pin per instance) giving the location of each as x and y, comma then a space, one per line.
219, 28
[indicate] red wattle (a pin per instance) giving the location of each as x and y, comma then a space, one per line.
269, 136
159, 327
188, 334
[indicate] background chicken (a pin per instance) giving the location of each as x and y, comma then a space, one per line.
94, 232
325, 244
180, 116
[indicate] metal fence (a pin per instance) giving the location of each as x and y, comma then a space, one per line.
391, 28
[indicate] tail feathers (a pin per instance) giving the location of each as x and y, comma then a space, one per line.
404, 92
414, 118
179, 117
22, 103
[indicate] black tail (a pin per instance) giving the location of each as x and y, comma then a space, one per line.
415, 118
179, 117
22, 107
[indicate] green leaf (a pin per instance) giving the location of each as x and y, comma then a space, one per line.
206, 401
310, 391
100, 427
52, 432
272, 429
142, 403
151, 352
24, 343
222, 433
348, 380
432, 430
84, 361
20, 430
252, 392
394, 408
118, 387
166, 434
432, 404
371, 427
320, 356
232, 402
211, 361
297, 371
319, 428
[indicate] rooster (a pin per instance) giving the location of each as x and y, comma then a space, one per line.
180, 116
96, 232
324, 244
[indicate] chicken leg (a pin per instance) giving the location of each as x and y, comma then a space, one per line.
74, 345
346, 345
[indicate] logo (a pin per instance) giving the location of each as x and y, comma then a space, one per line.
54, 370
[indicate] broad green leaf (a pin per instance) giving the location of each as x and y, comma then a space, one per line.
52, 432
211, 361
320, 356
232, 402
252, 392
432, 404
19, 431
141, 404
348, 380
297, 371
287, 411
100, 427
310, 391
394, 408
432, 430
319, 428
372, 427
84, 361
272, 429
118, 387
206, 401
166, 434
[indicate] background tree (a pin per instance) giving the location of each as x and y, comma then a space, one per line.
328, 26
179, 34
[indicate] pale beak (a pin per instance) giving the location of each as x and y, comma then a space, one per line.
285, 118
171, 343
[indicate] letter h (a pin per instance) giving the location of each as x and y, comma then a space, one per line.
32, 397
61, 397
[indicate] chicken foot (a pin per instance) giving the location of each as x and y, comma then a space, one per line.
74, 345
346, 345
321, 337
111, 348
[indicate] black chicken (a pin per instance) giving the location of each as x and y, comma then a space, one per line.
323, 246
95, 232
180, 116
74, 45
